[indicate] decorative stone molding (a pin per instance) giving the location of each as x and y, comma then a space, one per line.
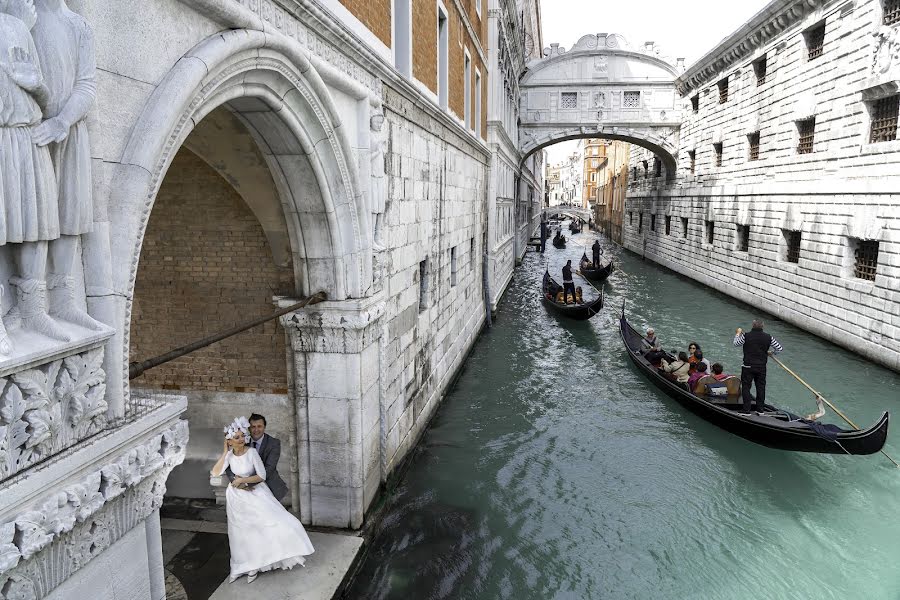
49, 408
75, 505
611, 41
335, 327
770, 23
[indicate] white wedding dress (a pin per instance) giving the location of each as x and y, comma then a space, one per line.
261, 533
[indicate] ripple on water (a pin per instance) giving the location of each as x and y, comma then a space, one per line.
555, 470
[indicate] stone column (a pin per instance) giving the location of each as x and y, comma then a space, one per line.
336, 373
153, 534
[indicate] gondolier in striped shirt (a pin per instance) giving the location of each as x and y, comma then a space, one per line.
757, 346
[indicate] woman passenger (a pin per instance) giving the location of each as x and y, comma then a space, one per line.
679, 368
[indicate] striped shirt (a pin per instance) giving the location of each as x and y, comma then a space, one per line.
774, 346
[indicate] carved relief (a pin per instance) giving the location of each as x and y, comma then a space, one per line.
886, 54
47, 409
74, 508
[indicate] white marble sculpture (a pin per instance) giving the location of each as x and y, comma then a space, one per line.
379, 180
46, 90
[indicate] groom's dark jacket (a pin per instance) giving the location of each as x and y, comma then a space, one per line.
269, 449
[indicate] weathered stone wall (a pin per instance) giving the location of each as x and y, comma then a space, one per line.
435, 214
841, 193
206, 266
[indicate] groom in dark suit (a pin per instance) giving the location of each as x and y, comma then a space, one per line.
269, 450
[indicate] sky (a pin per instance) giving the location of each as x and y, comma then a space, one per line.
687, 29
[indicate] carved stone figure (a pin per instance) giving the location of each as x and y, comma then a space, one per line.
379, 179
886, 50
27, 183
66, 49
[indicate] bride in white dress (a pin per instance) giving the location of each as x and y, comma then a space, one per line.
261, 533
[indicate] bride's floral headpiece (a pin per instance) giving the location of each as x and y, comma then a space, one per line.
240, 424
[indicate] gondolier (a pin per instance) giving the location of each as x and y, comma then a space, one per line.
597, 251
757, 346
568, 283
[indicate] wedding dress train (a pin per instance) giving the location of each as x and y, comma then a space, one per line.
261, 533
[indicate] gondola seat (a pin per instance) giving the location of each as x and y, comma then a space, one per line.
725, 391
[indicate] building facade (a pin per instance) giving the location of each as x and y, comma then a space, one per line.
612, 189
785, 190
516, 185
230, 157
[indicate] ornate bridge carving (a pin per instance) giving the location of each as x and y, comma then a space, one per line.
602, 88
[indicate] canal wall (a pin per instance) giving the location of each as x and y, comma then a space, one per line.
784, 195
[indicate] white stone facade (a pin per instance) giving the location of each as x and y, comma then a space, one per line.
838, 197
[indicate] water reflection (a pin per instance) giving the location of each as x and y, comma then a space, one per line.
555, 470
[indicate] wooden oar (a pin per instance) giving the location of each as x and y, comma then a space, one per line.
832, 406
587, 280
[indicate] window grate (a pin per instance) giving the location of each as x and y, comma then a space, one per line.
710, 232
569, 100
792, 239
668, 224
754, 145
684, 227
657, 167
652, 222
646, 169
692, 154
695, 101
723, 91
807, 131
815, 41
866, 260
884, 119
640, 222
632, 100
743, 238
891, 12
759, 67
630, 218
717, 148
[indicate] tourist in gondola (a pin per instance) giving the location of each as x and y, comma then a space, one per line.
652, 349
568, 282
757, 346
679, 368
596, 251
697, 375
718, 371
695, 355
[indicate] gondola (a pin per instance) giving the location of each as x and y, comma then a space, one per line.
599, 274
559, 242
575, 227
774, 428
579, 312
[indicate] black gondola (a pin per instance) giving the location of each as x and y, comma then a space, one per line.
599, 274
773, 428
575, 227
579, 312
559, 241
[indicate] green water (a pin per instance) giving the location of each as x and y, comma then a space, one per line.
555, 470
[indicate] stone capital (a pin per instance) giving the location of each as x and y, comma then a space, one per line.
346, 327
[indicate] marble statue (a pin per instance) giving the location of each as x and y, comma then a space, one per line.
379, 180
28, 191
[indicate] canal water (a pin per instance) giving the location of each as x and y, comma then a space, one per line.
554, 470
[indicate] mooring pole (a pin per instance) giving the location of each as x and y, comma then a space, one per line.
136, 369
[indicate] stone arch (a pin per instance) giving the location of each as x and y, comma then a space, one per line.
269, 83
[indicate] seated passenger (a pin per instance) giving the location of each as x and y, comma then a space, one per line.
697, 375
559, 297
718, 371
695, 355
578, 298
679, 368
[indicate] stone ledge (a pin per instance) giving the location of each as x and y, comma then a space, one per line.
40, 350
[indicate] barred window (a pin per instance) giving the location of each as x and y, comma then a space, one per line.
684, 226
692, 154
652, 222
807, 130
423, 285
743, 238
891, 12
753, 138
759, 67
723, 91
657, 167
634, 172
884, 119
866, 254
815, 40
792, 243
630, 217
695, 101
710, 232
668, 224
646, 169
632, 100
640, 222
569, 100
717, 149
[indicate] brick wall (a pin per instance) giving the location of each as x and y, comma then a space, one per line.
205, 265
374, 14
